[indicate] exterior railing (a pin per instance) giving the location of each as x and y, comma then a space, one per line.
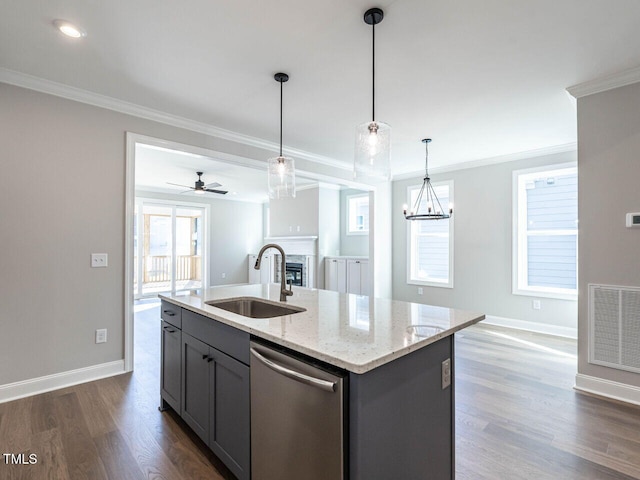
157, 268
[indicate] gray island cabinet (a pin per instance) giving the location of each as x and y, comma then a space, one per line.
396, 358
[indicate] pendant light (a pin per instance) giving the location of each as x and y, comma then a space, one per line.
373, 139
281, 171
434, 210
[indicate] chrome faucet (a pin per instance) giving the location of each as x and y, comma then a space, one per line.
284, 293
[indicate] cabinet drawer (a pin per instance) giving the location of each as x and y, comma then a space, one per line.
171, 313
229, 340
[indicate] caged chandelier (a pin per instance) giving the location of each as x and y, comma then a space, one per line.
281, 170
434, 210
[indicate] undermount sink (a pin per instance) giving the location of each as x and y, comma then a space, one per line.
255, 307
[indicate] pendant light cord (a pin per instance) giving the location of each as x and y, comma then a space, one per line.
281, 119
373, 74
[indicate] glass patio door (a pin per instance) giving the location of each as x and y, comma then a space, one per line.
169, 246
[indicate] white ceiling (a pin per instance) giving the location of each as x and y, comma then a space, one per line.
483, 79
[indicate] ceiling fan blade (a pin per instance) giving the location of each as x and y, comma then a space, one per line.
178, 185
213, 185
221, 192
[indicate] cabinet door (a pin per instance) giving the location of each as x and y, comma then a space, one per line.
170, 366
365, 282
353, 276
229, 436
341, 275
331, 274
195, 385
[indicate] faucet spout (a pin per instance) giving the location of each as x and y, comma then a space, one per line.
284, 292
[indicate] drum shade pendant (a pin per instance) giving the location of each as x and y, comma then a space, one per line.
373, 139
427, 196
281, 170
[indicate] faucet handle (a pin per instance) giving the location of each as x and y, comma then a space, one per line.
290, 291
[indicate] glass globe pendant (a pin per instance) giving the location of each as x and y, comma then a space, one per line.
373, 139
281, 170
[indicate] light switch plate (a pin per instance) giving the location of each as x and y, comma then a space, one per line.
101, 335
99, 260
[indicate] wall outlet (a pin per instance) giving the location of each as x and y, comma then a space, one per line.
101, 335
536, 305
446, 373
224, 275
420, 290
99, 260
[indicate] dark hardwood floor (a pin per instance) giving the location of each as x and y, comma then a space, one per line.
517, 417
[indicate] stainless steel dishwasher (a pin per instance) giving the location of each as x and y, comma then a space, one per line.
297, 418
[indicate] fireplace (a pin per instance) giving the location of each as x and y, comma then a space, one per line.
295, 273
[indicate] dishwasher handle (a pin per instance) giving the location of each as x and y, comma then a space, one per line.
300, 377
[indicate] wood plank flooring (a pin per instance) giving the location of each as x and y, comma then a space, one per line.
517, 417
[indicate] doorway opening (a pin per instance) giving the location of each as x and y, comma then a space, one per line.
169, 247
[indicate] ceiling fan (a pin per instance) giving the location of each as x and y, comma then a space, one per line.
200, 187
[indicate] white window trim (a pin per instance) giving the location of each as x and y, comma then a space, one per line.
411, 281
519, 238
348, 208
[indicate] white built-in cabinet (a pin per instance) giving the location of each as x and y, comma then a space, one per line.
335, 274
266, 272
347, 275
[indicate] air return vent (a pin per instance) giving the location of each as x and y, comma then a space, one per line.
614, 327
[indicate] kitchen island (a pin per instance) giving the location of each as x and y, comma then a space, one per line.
396, 358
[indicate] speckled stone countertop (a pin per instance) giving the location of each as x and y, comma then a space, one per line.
353, 332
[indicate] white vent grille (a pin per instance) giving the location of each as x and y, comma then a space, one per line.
614, 327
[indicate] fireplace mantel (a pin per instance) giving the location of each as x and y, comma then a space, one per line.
296, 245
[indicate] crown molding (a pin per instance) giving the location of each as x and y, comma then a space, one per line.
97, 100
483, 162
602, 84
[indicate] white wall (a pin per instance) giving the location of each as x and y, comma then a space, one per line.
232, 234
608, 176
482, 247
328, 227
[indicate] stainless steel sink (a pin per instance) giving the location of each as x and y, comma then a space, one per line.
255, 307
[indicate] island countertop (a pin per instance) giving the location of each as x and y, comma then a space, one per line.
353, 332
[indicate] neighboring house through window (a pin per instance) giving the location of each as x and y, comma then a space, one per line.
430, 246
358, 214
545, 214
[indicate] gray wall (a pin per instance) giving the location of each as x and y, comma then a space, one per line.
482, 246
232, 235
65, 162
295, 216
608, 175
357, 245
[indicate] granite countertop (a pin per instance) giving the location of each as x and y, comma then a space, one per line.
353, 332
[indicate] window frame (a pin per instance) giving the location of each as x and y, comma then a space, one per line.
430, 283
348, 214
519, 277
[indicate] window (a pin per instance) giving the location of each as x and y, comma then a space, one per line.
546, 231
430, 248
358, 214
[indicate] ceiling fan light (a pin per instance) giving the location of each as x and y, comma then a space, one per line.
282, 178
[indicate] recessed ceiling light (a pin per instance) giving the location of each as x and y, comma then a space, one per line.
69, 29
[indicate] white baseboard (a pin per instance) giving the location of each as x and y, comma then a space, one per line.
34, 386
556, 330
607, 388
